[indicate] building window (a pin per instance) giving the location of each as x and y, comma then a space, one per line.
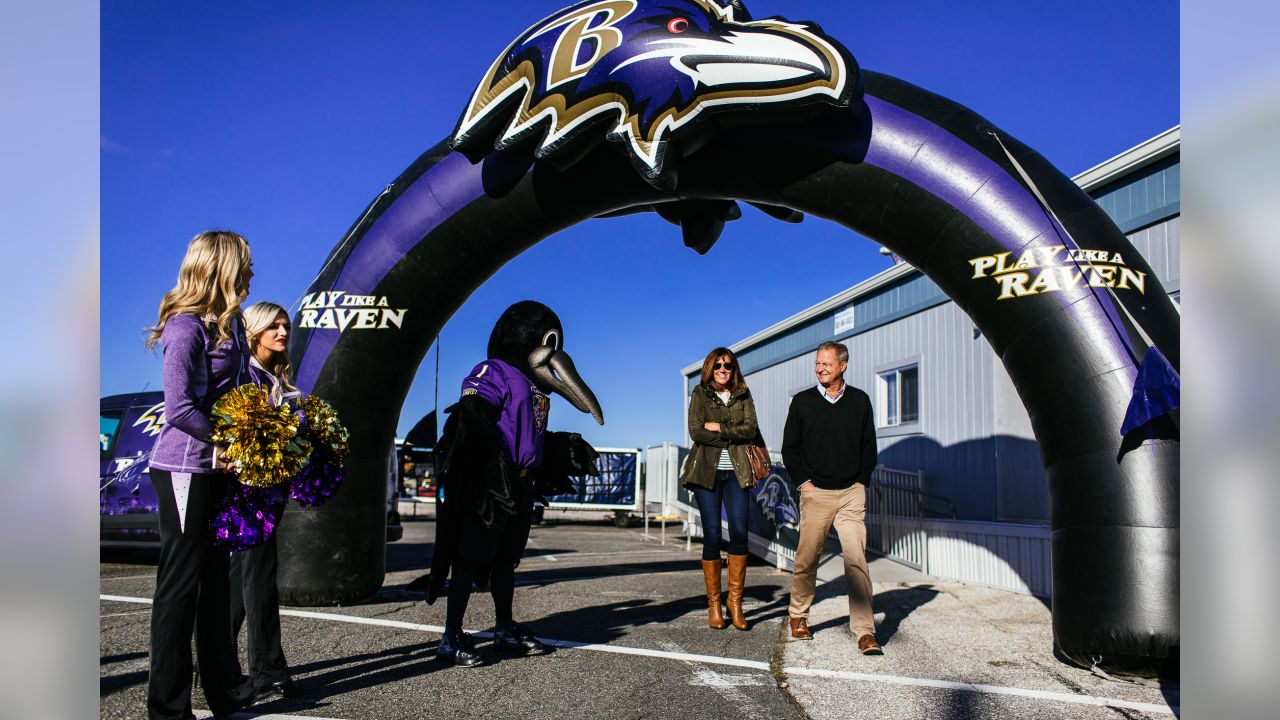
898, 396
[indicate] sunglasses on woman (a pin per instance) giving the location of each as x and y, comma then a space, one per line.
724, 365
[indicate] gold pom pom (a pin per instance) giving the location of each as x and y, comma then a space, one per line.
323, 427
262, 439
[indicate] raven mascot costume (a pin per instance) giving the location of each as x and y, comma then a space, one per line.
496, 458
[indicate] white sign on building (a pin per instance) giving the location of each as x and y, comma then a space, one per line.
844, 321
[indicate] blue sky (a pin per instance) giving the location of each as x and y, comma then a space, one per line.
283, 120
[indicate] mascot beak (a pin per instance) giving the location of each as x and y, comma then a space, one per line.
739, 57
554, 369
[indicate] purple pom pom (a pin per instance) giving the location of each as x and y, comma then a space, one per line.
318, 481
247, 516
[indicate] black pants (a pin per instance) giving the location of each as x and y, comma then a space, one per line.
494, 552
191, 595
254, 597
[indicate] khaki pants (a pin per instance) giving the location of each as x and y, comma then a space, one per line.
819, 510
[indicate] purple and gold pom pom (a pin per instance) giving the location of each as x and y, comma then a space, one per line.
321, 477
322, 428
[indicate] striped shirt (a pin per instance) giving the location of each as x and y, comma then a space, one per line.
725, 463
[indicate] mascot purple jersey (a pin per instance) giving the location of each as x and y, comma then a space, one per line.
522, 409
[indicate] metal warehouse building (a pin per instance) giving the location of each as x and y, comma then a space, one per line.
946, 410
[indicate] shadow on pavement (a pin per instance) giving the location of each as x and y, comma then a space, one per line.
896, 605
138, 556
111, 684
415, 589
544, 577
403, 555
338, 676
125, 657
539, 552
1172, 693
961, 705
603, 623
773, 602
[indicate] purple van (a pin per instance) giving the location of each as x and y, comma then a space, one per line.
126, 501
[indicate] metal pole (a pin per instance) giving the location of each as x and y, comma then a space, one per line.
672, 476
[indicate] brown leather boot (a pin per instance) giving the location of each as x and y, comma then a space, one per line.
737, 580
711, 576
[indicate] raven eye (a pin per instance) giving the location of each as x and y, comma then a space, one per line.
678, 25
551, 339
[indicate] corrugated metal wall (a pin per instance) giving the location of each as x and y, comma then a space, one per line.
1022, 493
953, 443
1161, 245
1009, 557
1146, 197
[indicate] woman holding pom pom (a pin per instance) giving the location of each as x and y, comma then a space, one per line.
205, 356
254, 596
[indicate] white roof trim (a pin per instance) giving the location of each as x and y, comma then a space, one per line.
1135, 158
1131, 160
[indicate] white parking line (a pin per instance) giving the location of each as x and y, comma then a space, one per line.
628, 553
737, 662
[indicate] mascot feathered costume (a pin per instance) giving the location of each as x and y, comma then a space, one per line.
496, 458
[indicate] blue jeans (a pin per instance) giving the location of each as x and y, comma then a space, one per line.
735, 498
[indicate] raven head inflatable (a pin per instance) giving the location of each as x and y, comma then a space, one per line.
649, 70
528, 336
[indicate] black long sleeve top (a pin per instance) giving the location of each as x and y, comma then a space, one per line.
831, 444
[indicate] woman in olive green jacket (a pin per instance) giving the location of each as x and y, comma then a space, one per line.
722, 421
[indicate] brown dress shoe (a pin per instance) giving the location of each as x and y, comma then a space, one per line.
737, 581
867, 645
800, 628
711, 578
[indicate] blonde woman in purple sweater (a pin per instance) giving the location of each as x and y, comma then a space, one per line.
205, 355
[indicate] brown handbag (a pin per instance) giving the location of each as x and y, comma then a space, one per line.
758, 455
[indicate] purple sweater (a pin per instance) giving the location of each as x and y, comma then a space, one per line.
522, 409
196, 374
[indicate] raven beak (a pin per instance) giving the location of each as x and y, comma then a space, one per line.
739, 58
554, 369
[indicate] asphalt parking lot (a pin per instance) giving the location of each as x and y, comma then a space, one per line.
627, 617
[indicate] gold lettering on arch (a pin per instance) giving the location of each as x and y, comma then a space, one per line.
578, 29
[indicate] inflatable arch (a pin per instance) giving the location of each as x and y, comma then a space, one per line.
683, 107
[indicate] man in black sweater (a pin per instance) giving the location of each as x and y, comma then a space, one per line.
829, 448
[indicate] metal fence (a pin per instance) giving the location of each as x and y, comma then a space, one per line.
896, 508
895, 516
617, 487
